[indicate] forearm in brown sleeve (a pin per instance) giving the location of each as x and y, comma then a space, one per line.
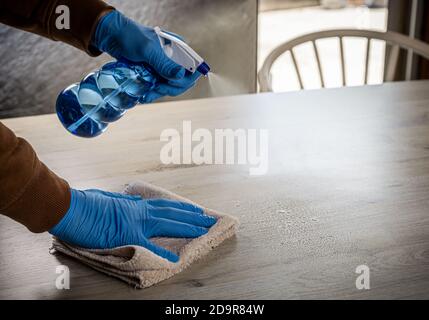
30, 193
40, 16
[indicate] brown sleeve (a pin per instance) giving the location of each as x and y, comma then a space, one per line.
30, 193
39, 16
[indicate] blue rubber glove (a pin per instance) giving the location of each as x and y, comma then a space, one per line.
125, 39
98, 220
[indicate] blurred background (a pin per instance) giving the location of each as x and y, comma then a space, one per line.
235, 37
282, 20
309, 16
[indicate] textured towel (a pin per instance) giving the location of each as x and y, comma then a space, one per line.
139, 266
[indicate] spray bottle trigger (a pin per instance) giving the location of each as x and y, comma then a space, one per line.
178, 51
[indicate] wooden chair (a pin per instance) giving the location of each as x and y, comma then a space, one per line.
394, 39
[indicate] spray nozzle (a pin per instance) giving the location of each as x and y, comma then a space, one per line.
181, 53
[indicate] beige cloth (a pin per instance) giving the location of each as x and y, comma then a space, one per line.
139, 266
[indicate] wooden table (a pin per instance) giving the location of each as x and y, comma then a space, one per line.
347, 185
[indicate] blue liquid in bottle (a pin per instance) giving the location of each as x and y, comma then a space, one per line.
86, 109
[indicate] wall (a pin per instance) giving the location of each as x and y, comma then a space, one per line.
33, 70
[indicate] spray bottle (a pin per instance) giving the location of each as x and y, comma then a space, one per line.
85, 109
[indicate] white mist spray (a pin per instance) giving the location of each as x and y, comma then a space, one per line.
220, 85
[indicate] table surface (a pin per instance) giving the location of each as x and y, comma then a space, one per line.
347, 185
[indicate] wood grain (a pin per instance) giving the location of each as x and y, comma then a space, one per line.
348, 184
